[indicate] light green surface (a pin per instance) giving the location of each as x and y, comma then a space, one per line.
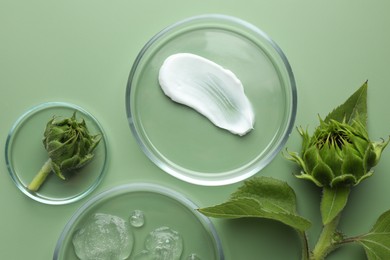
82, 51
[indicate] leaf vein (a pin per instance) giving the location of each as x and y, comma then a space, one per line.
376, 243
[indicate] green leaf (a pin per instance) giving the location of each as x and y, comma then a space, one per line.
376, 243
261, 197
333, 201
278, 194
354, 108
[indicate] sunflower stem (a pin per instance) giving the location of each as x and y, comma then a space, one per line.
326, 243
40, 177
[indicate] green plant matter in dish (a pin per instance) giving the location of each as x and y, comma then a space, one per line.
69, 145
337, 157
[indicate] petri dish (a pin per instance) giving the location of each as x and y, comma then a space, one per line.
161, 207
184, 143
25, 155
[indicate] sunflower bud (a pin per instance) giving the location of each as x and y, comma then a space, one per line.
338, 154
69, 144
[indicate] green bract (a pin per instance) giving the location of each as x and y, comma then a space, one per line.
69, 144
337, 154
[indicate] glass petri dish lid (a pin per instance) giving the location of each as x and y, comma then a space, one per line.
161, 208
25, 155
184, 143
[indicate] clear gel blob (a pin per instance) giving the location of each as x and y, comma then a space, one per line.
164, 243
104, 237
137, 218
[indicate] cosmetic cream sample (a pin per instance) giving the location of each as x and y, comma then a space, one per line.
210, 89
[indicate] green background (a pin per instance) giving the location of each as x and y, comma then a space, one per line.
82, 52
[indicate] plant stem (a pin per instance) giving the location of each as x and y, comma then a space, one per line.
305, 246
40, 177
348, 240
325, 243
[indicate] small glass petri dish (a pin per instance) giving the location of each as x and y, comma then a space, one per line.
25, 155
184, 143
161, 207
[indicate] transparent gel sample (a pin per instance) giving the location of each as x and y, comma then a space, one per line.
137, 218
104, 237
164, 243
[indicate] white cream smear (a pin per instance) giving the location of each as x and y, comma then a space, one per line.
208, 88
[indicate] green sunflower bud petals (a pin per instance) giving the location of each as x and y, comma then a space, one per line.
322, 173
70, 163
365, 176
344, 180
57, 170
94, 142
62, 152
331, 156
369, 158
308, 177
310, 158
56, 133
54, 145
294, 157
305, 138
360, 128
85, 160
360, 144
353, 164
374, 153
378, 149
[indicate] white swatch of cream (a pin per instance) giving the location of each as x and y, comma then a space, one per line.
210, 89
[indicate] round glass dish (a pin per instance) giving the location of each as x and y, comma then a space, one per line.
161, 207
185, 144
25, 155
